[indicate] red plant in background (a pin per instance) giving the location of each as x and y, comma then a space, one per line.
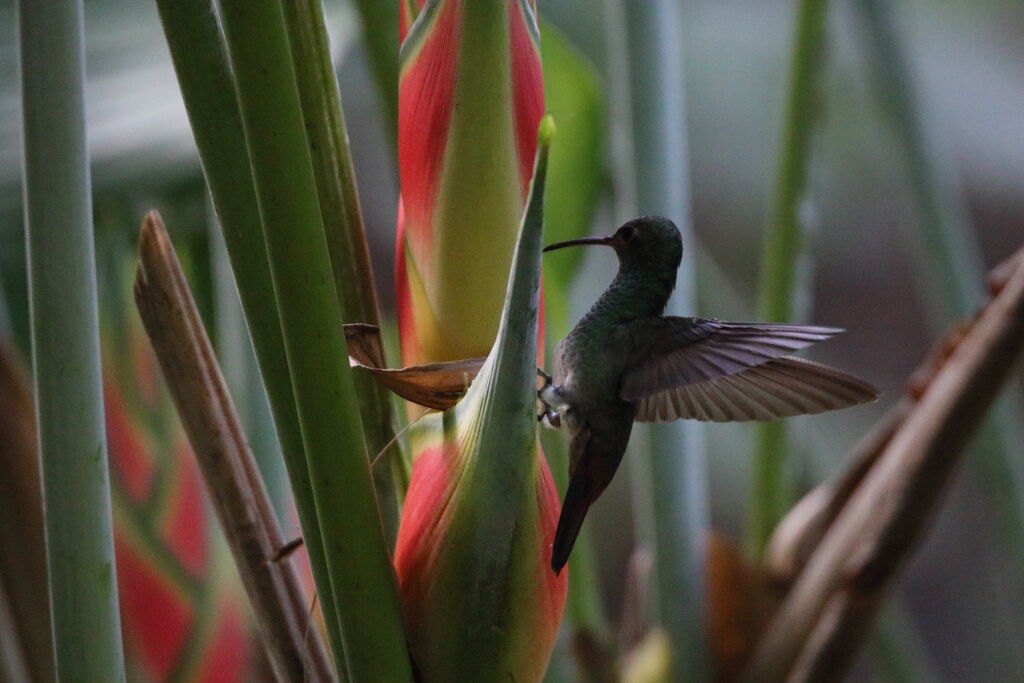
182, 608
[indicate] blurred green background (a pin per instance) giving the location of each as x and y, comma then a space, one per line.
961, 598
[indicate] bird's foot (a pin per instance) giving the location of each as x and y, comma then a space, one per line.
547, 395
553, 418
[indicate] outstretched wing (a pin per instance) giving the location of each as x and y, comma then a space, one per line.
676, 351
721, 371
783, 387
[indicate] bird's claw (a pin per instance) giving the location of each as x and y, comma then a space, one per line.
552, 415
553, 418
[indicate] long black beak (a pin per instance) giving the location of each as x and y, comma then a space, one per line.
606, 241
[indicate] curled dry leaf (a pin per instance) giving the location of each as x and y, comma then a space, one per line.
364, 345
433, 385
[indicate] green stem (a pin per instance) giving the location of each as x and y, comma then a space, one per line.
346, 239
782, 246
65, 344
380, 36
207, 86
950, 255
366, 603
671, 473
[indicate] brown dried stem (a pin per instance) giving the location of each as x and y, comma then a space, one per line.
870, 523
169, 314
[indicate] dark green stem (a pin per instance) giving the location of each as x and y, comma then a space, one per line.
346, 239
366, 606
782, 246
65, 344
207, 86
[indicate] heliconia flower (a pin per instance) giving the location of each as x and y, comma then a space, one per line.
474, 545
470, 97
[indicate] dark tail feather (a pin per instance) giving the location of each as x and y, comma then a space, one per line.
574, 509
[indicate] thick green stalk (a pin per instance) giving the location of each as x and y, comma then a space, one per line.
672, 471
65, 344
207, 86
346, 240
782, 245
365, 595
950, 255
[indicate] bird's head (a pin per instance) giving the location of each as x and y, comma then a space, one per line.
649, 243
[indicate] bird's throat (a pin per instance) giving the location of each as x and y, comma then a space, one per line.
633, 295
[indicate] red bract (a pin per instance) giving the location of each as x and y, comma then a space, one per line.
471, 94
454, 634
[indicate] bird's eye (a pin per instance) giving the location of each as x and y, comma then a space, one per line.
626, 234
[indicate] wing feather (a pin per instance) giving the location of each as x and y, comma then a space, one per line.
678, 351
782, 387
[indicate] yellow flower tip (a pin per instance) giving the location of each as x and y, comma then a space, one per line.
546, 130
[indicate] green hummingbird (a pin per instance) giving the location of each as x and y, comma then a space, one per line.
625, 361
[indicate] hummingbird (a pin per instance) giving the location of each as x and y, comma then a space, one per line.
625, 361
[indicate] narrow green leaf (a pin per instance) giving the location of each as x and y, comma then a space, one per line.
507, 383
65, 344
235, 353
366, 607
346, 240
207, 86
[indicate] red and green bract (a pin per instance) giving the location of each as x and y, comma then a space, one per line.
471, 95
470, 99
